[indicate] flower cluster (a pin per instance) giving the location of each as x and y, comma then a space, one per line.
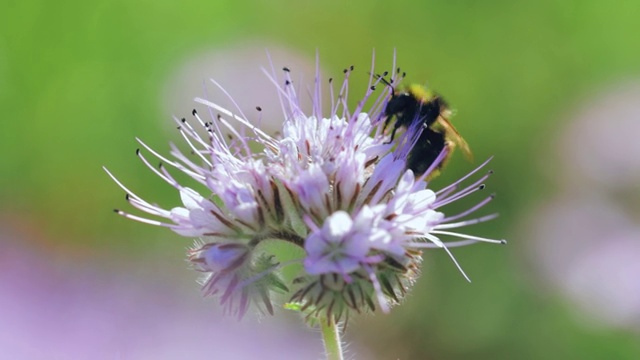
329, 184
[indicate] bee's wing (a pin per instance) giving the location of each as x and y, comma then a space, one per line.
455, 136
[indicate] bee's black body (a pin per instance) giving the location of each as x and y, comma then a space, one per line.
419, 104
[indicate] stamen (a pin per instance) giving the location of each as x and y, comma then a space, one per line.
197, 176
129, 192
142, 220
317, 99
230, 127
153, 168
342, 95
470, 237
286, 97
148, 208
439, 192
370, 89
439, 244
477, 183
467, 222
184, 126
450, 244
292, 94
456, 263
463, 193
195, 150
332, 96
235, 117
272, 76
471, 210
198, 118
233, 101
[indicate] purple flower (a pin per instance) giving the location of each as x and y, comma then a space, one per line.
330, 184
232, 275
343, 244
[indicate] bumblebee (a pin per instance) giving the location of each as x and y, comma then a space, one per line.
417, 103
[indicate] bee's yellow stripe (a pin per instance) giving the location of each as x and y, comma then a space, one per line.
420, 92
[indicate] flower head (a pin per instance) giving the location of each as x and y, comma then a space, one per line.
330, 184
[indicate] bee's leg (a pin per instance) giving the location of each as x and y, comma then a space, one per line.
386, 122
393, 134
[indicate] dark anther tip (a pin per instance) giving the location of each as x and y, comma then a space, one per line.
286, 69
258, 108
194, 112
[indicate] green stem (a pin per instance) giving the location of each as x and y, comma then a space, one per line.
331, 339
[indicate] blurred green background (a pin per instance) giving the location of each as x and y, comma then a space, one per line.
80, 80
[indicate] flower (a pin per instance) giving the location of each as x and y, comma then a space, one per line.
330, 184
231, 274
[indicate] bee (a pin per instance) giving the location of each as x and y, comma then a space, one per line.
417, 103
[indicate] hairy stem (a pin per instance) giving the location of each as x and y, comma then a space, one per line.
331, 339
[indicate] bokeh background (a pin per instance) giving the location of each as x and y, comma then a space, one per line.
550, 88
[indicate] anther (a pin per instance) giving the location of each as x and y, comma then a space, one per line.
286, 69
194, 112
